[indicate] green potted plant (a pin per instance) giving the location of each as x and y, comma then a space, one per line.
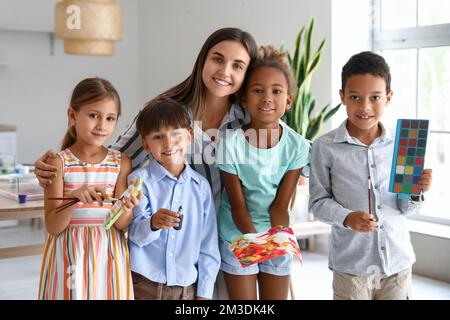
302, 117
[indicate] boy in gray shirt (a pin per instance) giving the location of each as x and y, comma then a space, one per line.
370, 251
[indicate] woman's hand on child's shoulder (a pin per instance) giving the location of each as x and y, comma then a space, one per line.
90, 194
43, 170
361, 221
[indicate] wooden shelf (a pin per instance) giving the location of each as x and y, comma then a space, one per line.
7, 128
11, 210
28, 250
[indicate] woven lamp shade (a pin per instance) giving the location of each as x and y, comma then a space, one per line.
100, 25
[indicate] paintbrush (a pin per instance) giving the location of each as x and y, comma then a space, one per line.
72, 201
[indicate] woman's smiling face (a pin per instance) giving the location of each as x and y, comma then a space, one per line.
225, 67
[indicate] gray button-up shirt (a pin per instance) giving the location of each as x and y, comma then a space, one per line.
340, 166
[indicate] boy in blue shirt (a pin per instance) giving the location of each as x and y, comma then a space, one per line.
370, 250
172, 256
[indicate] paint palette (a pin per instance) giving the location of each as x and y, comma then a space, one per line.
251, 248
409, 156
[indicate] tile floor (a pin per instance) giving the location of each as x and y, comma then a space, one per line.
312, 281
19, 277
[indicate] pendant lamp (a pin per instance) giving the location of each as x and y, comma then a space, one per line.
88, 27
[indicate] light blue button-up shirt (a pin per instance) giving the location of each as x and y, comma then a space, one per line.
340, 166
169, 256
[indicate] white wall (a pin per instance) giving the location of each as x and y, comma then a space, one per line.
432, 256
35, 85
36, 15
160, 42
172, 33
351, 34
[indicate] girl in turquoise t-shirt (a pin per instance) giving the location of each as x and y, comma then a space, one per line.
260, 165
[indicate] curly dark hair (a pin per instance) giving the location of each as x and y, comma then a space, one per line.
366, 62
269, 56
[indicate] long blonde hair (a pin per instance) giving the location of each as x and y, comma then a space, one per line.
191, 92
88, 91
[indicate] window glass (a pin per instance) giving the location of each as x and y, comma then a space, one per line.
403, 71
434, 87
434, 12
438, 159
390, 17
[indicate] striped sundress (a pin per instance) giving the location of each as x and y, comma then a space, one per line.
86, 261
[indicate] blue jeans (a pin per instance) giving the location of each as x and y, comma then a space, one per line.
280, 266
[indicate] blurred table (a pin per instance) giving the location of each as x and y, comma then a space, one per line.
12, 210
311, 229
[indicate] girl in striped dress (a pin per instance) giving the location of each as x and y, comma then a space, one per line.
82, 260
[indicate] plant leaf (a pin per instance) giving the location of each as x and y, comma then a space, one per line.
310, 114
297, 51
314, 128
301, 116
297, 113
304, 118
308, 104
331, 112
315, 60
308, 39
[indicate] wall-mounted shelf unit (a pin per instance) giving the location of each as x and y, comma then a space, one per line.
35, 16
25, 15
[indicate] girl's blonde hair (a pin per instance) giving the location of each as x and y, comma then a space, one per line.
191, 92
88, 91
269, 56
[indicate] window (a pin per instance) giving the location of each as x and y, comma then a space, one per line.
414, 38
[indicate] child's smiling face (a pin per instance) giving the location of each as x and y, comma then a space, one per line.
168, 146
95, 122
266, 97
365, 97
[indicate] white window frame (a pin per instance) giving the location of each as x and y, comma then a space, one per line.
411, 38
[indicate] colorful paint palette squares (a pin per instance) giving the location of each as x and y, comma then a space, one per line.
254, 248
409, 155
